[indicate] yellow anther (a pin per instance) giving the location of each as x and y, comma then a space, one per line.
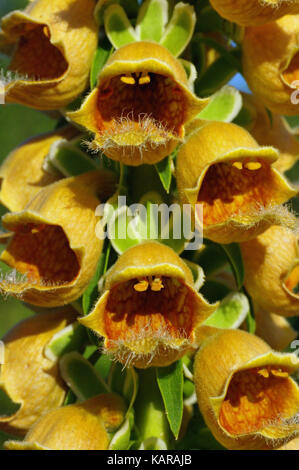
141, 286
144, 79
46, 31
156, 284
238, 165
128, 79
253, 165
279, 373
264, 373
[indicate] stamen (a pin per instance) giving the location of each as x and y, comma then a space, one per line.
141, 286
279, 373
128, 79
264, 373
144, 78
46, 31
156, 284
238, 165
253, 165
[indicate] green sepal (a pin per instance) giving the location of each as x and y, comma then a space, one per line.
153, 443
197, 273
121, 439
71, 338
180, 29
164, 170
101, 55
151, 20
67, 158
224, 105
7, 406
231, 312
171, 383
81, 376
191, 72
118, 28
131, 7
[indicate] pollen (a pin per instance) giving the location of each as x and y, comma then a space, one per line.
141, 286
257, 398
128, 79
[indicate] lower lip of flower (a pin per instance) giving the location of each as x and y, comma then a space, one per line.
139, 107
257, 398
142, 314
234, 188
42, 252
36, 57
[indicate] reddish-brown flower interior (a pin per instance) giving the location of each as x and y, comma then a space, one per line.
151, 307
227, 191
292, 281
257, 398
292, 72
35, 56
160, 99
43, 253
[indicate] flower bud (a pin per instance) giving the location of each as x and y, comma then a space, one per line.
150, 311
54, 244
271, 264
22, 174
254, 12
138, 110
27, 376
274, 329
84, 426
244, 390
54, 46
223, 170
272, 131
270, 64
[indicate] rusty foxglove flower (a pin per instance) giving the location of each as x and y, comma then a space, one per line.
274, 329
150, 312
222, 168
272, 270
138, 110
245, 391
29, 378
83, 426
54, 46
22, 174
271, 131
271, 63
54, 244
254, 12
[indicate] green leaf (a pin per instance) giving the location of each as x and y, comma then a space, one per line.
211, 258
118, 27
131, 7
214, 291
68, 159
234, 257
171, 382
224, 105
69, 339
218, 74
81, 376
151, 20
7, 406
180, 29
100, 58
231, 313
121, 438
164, 171
91, 294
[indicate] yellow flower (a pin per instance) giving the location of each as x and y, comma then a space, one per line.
271, 131
254, 12
84, 426
54, 243
223, 169
27, 376
138, 110
150, 312
274, 329
54, 46
271, 264
271, 63
22, 175
244, 390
